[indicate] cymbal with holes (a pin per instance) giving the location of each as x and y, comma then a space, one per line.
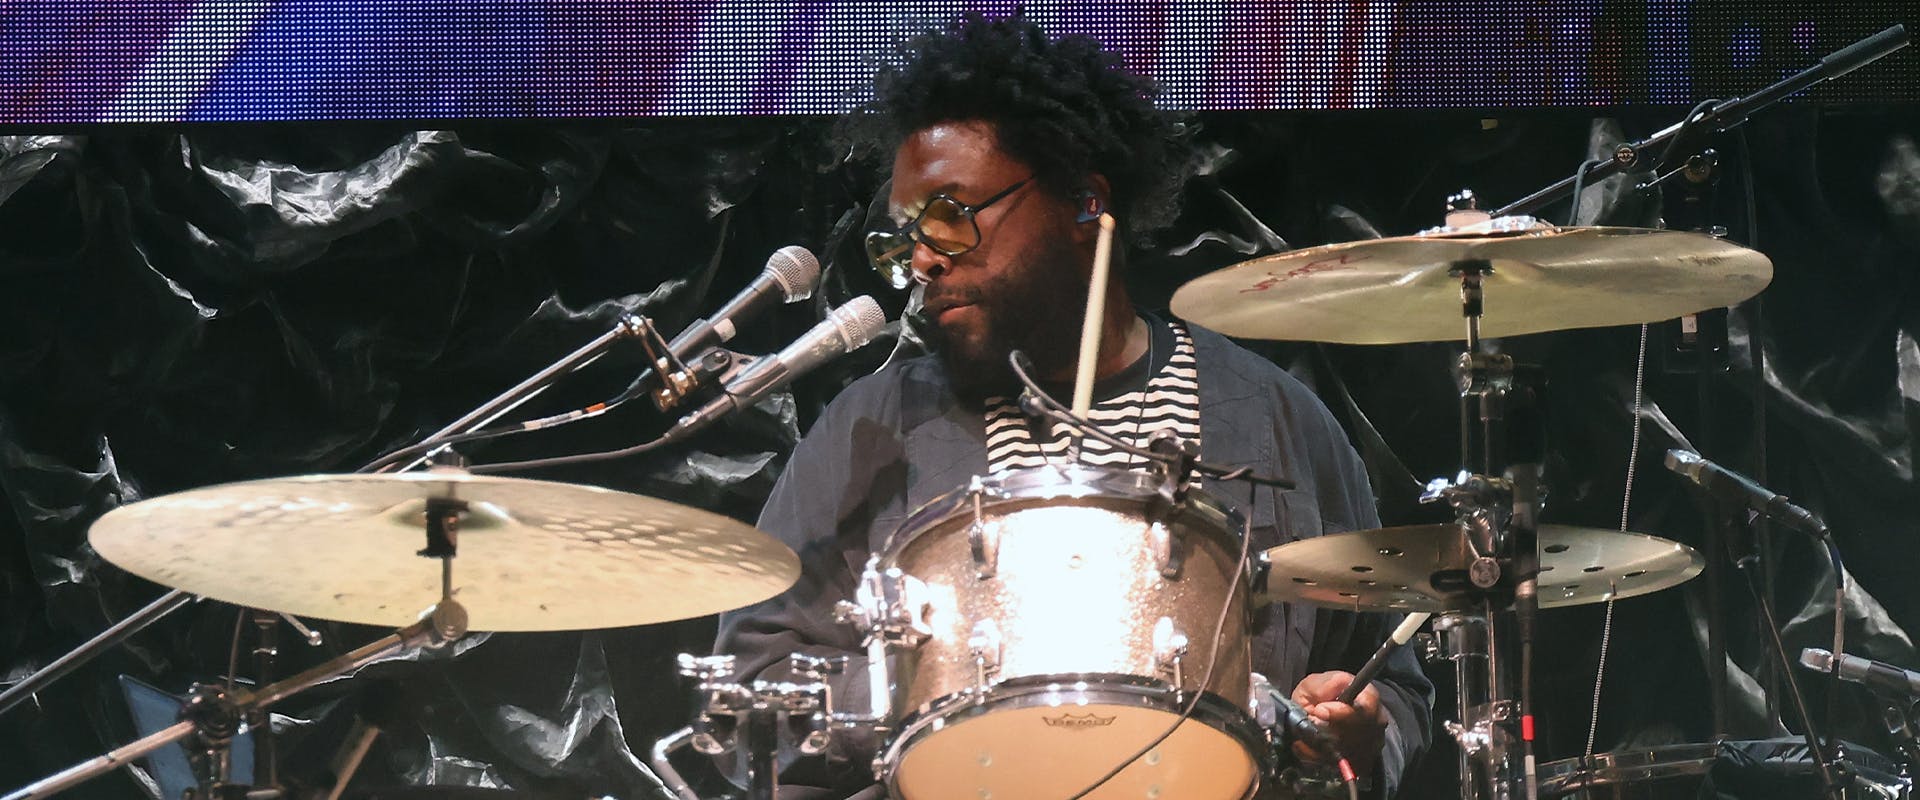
1424, 567
1543, 278
531, 555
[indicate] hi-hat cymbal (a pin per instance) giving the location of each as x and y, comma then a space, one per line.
1397, 569
532, 555
1391, 291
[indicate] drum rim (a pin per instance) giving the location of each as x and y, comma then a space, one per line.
1029, 691
1043, 483
1665, 761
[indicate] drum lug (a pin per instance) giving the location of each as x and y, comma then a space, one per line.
987, 649
982, 539
1167, 549
1169, 651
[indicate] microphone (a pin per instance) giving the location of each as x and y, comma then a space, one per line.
788, 276
1732, 487
1292, 718
845, 329
1876, 675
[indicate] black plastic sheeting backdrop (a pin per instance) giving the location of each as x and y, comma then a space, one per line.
183, 308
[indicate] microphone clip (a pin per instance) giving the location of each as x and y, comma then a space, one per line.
675, 379
1178, 458
712, 368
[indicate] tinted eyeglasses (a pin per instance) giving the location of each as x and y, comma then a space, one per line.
944, 224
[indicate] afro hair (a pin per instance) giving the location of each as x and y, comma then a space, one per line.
1065, 107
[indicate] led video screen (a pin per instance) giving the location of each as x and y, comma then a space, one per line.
163, 61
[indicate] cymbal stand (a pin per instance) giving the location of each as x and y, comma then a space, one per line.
214, 707
1494, 500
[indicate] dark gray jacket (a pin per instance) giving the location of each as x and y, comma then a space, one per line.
898, 438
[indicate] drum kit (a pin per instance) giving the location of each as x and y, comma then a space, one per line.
981, 680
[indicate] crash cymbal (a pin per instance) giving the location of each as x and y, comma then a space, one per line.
1390, 291
1396, 569
532, 555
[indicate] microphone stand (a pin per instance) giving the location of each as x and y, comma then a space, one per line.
1723, 116
1730, 522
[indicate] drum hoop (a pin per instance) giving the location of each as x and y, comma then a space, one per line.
1054, 482
1064, 690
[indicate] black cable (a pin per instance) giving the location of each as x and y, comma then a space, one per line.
233, 651
1047, 406
1580, 185
423, 448
559, 461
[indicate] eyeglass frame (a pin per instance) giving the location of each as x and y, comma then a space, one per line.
902, 278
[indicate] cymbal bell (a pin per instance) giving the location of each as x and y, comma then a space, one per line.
1423, 567
532, 555
1543, 278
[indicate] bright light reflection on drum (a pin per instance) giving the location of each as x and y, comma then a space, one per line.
1056, 590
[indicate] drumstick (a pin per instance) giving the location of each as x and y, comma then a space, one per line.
1090, 326
1379, 659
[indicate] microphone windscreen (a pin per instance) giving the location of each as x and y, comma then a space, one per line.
795, 268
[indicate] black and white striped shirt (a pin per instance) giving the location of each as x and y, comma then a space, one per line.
1130, 406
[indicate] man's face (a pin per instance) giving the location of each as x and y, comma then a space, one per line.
1022, 288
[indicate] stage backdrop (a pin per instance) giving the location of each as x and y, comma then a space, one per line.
183, 308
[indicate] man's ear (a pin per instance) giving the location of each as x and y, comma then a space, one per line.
1092, 198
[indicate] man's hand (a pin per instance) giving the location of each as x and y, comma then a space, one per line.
1359, 729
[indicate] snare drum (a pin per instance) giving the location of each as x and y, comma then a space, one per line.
1676, 772
1070, 613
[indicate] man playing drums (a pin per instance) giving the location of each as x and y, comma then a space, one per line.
1006, 149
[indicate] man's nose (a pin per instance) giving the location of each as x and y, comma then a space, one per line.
928, 263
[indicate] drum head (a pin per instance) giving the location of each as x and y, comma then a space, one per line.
1056, 752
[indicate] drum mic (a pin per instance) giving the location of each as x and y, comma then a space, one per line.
1876, 675
788, 276
845, 329
1733, 487
1294, 721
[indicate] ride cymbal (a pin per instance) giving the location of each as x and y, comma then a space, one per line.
1543, 278
532, 555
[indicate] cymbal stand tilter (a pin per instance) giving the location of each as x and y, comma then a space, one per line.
1490, 640
211, 714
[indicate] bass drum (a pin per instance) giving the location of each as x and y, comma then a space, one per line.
1750, 770
1069, 614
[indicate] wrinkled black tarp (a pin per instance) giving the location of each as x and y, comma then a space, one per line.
179, 309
